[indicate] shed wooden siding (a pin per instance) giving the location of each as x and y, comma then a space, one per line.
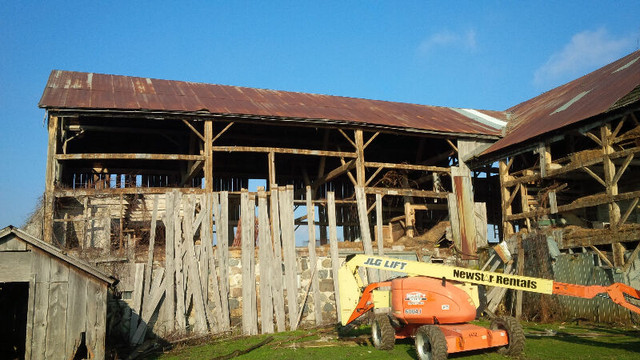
64, 301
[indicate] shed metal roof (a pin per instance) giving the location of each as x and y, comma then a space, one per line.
55, 252
603, 90
90, 91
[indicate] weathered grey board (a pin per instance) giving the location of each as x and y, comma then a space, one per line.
181, 290
152, 242
287, 227
481, 224
138, 288
221, 214
265, 259
313, 260
12, 243
169, 304
57, 313
379, 228
452, 205
249, 306
277, 290
15, 266
333, 245
365, 234
76, 322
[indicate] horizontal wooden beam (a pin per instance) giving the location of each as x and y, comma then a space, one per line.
572, 166
128, 156
257, 149
600, 237
406, 192
587, 201
124, 191
407, 167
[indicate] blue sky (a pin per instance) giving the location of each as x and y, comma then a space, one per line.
474, 54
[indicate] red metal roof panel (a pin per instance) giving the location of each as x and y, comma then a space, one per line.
583, 98
74, 90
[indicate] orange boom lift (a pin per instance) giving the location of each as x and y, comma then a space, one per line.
434, 304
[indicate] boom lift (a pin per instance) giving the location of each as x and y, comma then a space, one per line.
434, 304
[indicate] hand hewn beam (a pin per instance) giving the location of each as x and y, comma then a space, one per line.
127, 156
258, 149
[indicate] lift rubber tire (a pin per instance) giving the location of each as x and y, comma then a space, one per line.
382, 333
431, 343
514, 332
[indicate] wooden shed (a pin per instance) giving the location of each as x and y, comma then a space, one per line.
54, 306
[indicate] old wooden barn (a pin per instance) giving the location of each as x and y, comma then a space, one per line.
149, 179
53, 306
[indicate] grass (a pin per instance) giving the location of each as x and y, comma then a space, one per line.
567, 342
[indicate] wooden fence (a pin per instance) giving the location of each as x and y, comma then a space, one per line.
188, 291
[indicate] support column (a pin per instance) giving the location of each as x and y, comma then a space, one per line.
208, 156
507, 227
272, 170
360, 173
50, 176
611, 190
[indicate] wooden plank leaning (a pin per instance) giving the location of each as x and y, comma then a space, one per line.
315, 285
287, 227
265, 259
249, 306
276, 265
365, 233
333, 245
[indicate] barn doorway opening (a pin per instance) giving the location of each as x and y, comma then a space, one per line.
13, 317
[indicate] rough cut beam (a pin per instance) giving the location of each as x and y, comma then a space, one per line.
284, 151
406, 192
577, 204
124, 191
118, 156
572, 166
407, 167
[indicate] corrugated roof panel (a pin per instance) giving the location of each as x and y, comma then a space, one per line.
583, 98
135, 93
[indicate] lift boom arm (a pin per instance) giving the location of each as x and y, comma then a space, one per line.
355, 303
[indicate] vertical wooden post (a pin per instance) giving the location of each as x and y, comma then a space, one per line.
181, 314
272, 170
276, 264
221, 215
380, 232
507, 227
265, 260
333, 245
611, 190
170, 296
360, 171
49, 187
524, 201
545, 159
312, 257
152, 242
249, 306
289, 252
208, 156
365, 233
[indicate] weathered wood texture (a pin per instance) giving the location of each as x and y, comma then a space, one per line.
312, 257
249, 306
60, 307
289, 252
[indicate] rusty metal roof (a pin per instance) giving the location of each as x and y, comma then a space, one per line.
89, 91
605, 89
